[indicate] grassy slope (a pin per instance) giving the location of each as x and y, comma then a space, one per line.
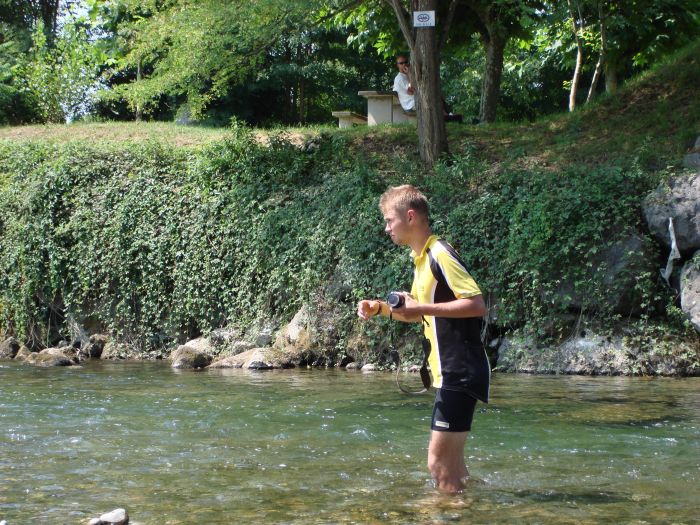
661, 108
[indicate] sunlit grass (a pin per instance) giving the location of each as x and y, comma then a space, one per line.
657, 112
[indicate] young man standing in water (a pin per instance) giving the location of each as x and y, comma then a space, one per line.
446, 299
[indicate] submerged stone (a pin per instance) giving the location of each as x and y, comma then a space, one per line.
115, 517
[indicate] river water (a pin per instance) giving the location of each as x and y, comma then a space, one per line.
318, 446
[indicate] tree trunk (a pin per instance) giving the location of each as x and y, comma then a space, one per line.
49, 15
601, 56
611, 81
425, 77
138, 104
425, 70
579, 60
302, 101
495, 44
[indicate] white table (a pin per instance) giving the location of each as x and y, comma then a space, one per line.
384, 107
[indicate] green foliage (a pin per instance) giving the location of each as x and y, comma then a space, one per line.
155, 244
60, 77
534, 239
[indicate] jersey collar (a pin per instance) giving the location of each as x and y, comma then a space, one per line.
428, 244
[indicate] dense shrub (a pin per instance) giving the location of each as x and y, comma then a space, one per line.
156, 244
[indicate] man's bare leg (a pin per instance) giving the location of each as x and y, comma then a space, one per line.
446, 460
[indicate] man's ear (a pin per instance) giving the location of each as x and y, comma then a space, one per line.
411, 215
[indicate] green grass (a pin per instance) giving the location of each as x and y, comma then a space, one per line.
656, 115
657, 112
116, 132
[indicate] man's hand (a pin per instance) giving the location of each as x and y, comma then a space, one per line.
367, 309
410, 311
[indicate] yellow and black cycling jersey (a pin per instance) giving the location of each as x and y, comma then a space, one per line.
457, 359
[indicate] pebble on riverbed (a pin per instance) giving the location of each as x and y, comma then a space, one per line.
116, 517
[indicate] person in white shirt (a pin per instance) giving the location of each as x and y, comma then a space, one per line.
402, 84
404, 90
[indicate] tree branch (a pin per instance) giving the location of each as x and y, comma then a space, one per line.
402, 17
448, 22
346, 7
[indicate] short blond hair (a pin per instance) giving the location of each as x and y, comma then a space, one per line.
404, 198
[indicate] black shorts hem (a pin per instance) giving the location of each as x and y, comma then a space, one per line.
453, 411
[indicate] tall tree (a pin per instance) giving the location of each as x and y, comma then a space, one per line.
602, 52
496, 22
424, 44
576, 25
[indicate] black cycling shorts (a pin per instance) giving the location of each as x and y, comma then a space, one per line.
453, 411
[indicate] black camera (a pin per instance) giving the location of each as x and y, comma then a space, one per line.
395, 300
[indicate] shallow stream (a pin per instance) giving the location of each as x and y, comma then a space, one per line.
318, 446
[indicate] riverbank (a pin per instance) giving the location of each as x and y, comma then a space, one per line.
564, 225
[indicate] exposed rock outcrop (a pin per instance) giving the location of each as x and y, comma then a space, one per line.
113, 350
678, 198
23, 353
692, 158
690, 290
294, 339
596, 354
96, 345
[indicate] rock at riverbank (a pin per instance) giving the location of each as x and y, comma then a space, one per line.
9, 348
113, 350
294, 340
679, 199
690, 290
595, 354
254, 359
66, 356
187, 356
96, 345
692, 158
23, 353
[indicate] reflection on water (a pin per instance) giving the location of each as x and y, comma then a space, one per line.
338, 447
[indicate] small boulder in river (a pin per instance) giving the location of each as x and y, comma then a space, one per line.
116, 517
188, 357
51, 357
9, 348
65, 351
254, 359
201, 344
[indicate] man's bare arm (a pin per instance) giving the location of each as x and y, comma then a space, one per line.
459, 308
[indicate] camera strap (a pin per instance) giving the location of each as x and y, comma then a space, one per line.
424, 373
